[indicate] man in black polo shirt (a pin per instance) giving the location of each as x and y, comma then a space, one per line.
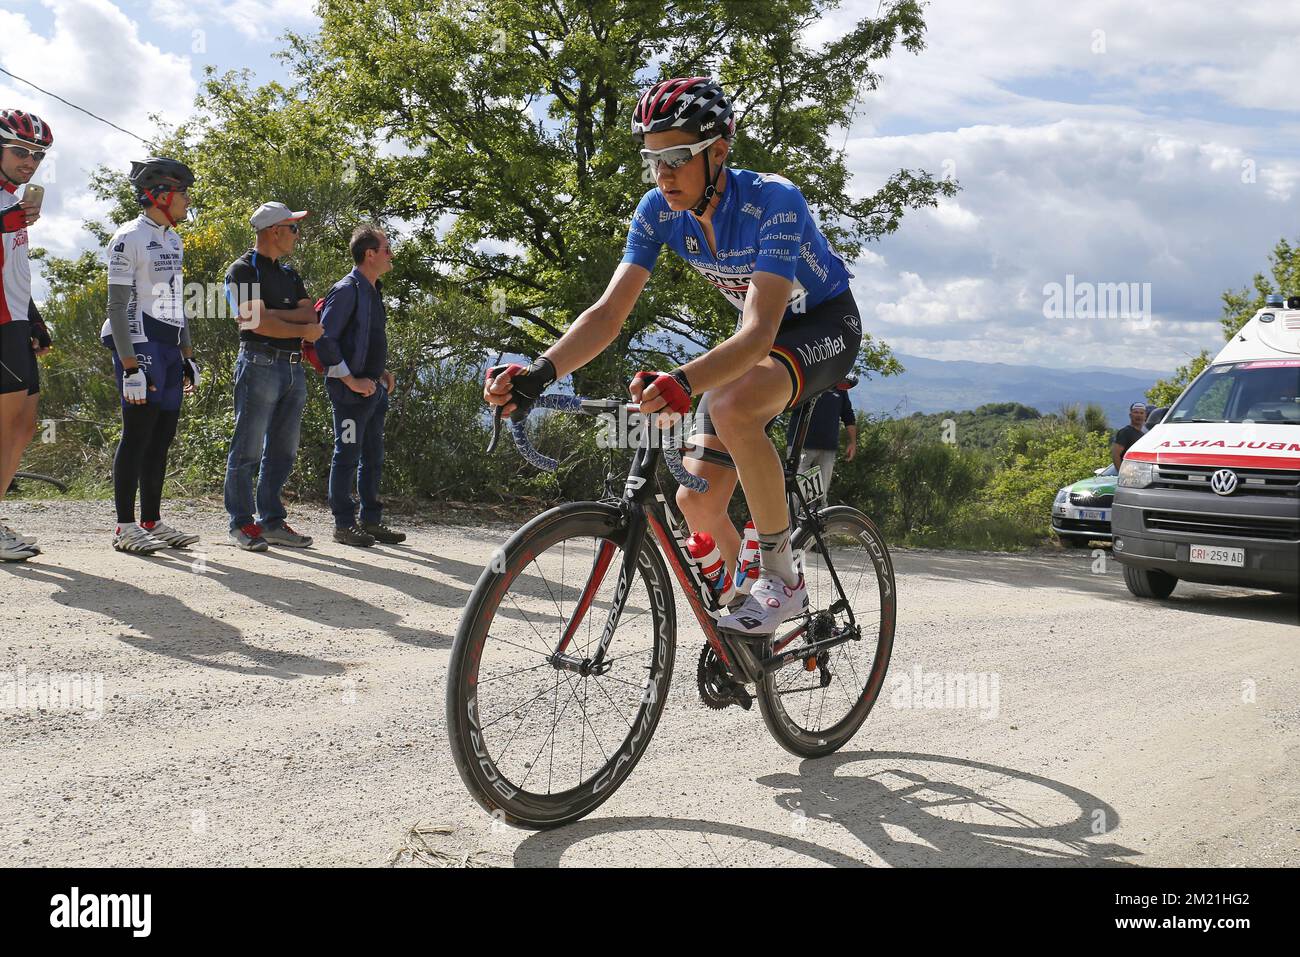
275, 315
823, 442
1127, 436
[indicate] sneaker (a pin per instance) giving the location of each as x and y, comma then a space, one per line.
7, 532
770, 602
382, 533
174, 538
284, 535
13, 548
249, 537
354, 536
133, 538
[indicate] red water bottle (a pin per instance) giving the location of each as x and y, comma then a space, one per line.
705, 552
747, 565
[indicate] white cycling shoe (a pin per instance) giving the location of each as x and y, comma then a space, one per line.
770, 602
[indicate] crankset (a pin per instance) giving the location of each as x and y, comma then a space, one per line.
717, 689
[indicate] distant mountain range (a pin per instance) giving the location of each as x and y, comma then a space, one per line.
934, 385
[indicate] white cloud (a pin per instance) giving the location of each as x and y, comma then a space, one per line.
1105, 202
93, 56
978, 54
1125, 155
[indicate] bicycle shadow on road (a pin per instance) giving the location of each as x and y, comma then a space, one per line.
907, 810
170, 627
1073, 571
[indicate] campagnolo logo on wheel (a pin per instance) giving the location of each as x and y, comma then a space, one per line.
827, 348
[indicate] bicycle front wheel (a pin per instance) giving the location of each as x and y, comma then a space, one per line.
816, 703
539, 745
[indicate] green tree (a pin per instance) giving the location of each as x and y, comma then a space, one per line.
1165, 391
513, 162
1239, 306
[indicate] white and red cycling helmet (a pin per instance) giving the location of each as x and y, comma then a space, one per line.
25, 129
693, 104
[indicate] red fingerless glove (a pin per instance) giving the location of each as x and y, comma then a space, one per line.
674, 390
13, 219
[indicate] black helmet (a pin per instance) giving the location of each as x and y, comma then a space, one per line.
156, 172
694, 104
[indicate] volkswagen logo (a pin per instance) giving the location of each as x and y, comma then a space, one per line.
1224, 481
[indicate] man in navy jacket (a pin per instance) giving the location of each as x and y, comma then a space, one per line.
354, 350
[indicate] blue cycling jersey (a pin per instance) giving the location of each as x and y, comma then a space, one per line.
761, 224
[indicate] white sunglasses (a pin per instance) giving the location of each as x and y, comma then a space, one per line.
675, 157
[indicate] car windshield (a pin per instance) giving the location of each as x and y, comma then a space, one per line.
1259, 391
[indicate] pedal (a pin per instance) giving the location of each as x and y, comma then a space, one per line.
719, 690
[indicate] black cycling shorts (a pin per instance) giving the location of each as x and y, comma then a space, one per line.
818, 349
19, 371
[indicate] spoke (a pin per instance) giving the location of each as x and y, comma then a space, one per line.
548, 589
587, 722
641, 651
518, 727
624, 681
616, 707
550, 765
529, 621
484, 727
582, 744
509, 674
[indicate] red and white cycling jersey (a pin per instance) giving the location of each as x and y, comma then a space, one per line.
15, 270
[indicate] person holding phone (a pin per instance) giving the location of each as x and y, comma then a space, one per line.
152, 354
24, 140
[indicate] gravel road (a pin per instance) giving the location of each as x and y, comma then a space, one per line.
287, 708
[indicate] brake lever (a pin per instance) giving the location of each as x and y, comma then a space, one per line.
492, 374
496, 429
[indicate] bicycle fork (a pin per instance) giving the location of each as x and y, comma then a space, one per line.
596, 665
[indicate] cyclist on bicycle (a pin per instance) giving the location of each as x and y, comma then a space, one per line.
753, 237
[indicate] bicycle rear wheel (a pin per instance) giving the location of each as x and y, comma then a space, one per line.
814, 713
536, 745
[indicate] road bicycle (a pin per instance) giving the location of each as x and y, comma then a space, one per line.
560, 670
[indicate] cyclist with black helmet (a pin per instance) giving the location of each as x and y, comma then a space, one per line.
152, 354
24, 140
753, 237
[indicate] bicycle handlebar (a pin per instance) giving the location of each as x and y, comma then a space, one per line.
573, 403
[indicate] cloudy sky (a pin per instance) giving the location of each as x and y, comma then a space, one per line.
1104, 140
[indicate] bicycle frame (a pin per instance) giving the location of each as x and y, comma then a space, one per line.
644, 506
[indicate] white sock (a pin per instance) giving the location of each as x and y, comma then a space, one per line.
774, 556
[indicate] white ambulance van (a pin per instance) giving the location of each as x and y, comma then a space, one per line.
1211, 493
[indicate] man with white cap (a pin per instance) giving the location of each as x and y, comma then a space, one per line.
275, 315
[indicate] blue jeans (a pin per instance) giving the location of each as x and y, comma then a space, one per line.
358, 452
269, 398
